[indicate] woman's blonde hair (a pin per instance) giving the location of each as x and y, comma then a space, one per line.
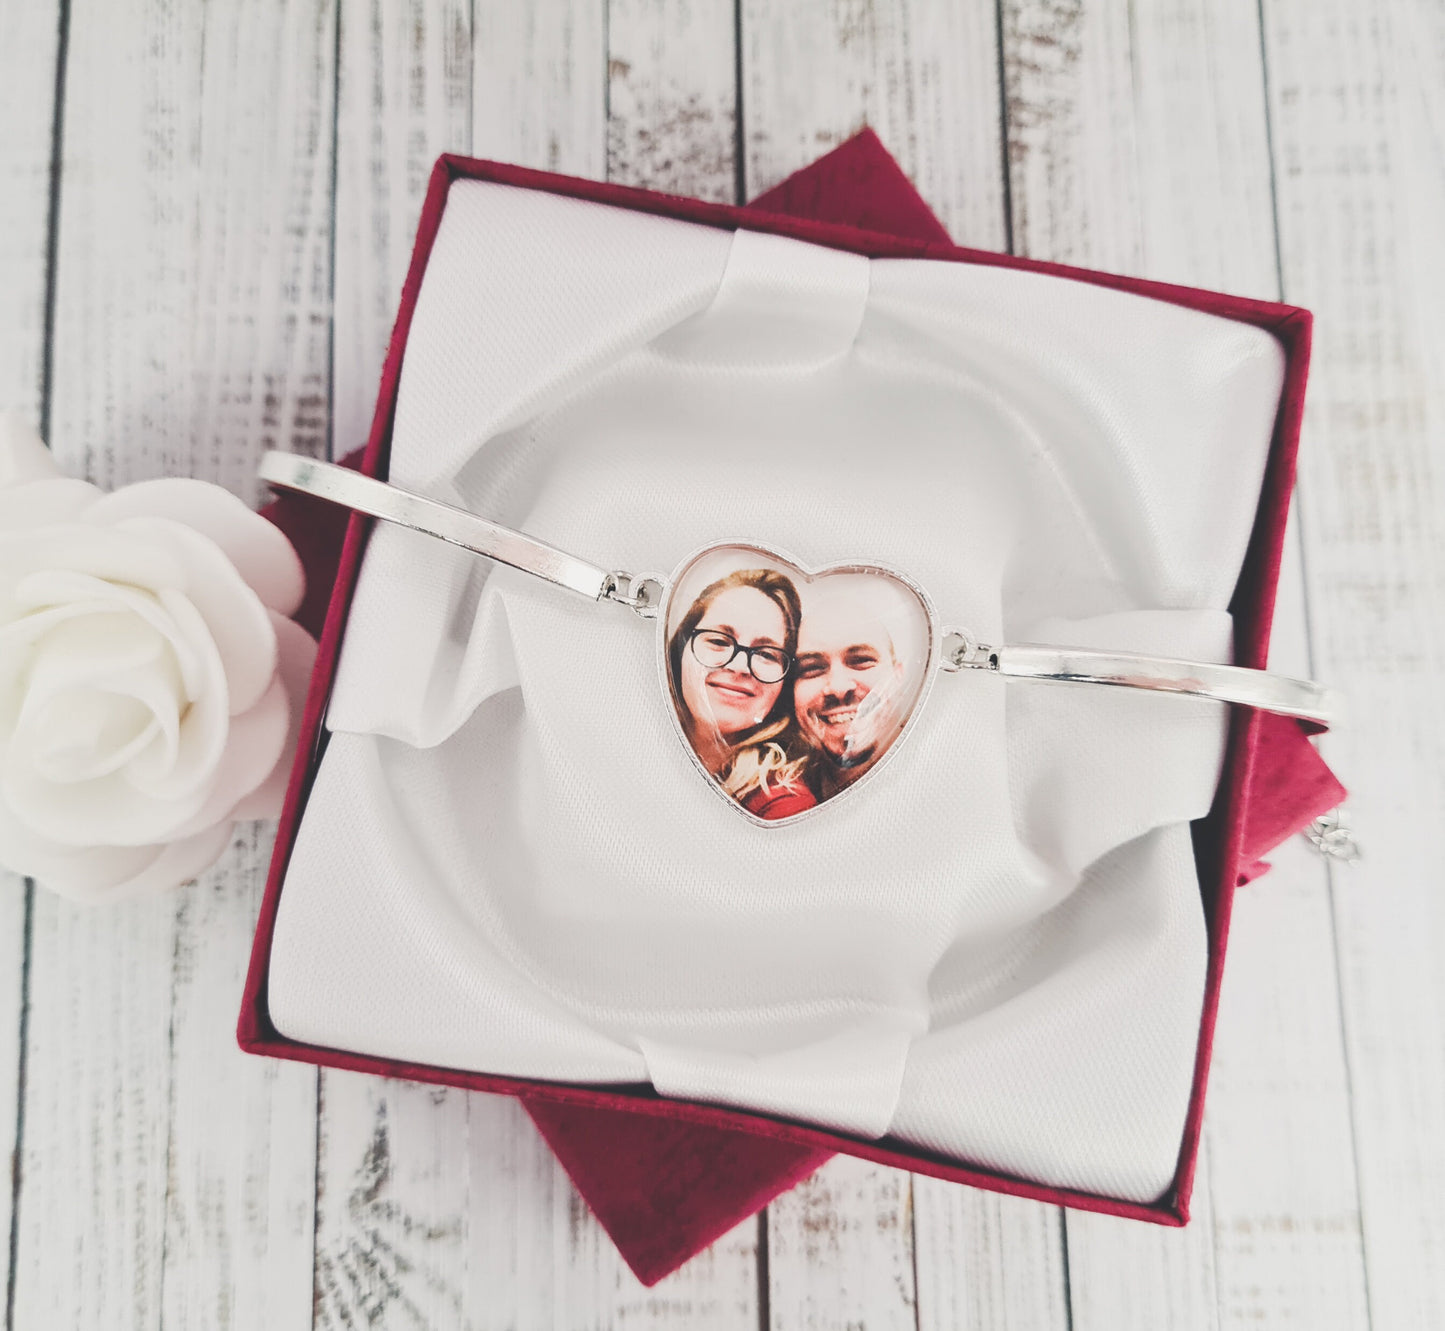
760, 757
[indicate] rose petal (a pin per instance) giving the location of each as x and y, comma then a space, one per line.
145, 801
258, 550
105, 876
71, 595
178, 863
87, 649
203, 727
23, 455
88, 734
106, 811
253, 748
36, 503
297, 654
86, 677
238, 622
108, 555
75, 872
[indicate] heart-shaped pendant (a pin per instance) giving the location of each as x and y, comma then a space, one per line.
789, 685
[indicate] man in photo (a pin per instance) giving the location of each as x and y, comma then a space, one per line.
851, 689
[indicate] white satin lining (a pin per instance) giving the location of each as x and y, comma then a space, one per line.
508, 863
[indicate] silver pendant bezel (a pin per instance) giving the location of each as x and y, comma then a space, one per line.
930, 668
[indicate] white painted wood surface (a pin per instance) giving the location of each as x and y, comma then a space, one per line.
239, 187
1142, 146
1357, 106
165, 1177
28, 37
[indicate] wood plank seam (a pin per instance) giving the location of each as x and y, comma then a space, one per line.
1003, 131
1300, 538
765, 1292
740, 162
1331, 872
1064, 1260
330, 447
18, 1153
913, 1250
1279, 261
47, 362
330, 451
52, 225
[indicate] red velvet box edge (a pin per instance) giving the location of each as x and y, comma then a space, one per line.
1253, 607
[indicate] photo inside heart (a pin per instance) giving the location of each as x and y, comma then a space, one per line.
789, 686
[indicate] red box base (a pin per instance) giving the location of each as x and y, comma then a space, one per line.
668, 1177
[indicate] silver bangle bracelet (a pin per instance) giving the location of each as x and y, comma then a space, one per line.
789, 685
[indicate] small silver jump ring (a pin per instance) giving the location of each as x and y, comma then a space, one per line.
962, 651
639, 592
644, 594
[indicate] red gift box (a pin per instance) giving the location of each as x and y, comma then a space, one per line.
667, 1177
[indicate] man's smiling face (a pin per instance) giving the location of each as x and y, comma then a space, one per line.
846, 682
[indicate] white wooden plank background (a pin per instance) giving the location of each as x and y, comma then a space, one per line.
28, 38
217, 271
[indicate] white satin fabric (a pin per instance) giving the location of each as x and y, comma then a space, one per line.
508, 862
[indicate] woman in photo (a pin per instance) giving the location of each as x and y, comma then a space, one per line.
731, 660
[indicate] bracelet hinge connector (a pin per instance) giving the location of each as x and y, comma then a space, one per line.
639, 592
962, 652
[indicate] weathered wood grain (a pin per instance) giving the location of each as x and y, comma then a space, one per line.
12, 998
1139, 142
985, 1262
14, 944
391, 1205
539, 86
1072, 158
404, 96
443, 1209
550, 1264
1357, 104
672, 96
1281, 1177
840, 1250
29, 35
241, 1157
1287, 1240
1287, 1236
92, 1200
1124, 1274
924, 76
1204, 204
191, 323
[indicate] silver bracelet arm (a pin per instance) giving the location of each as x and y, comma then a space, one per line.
1279, 694
380, 499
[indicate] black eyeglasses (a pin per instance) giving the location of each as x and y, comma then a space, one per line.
717, 650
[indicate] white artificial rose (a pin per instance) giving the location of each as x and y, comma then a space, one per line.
150, 681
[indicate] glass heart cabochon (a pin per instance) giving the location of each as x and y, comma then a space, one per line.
790, 686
